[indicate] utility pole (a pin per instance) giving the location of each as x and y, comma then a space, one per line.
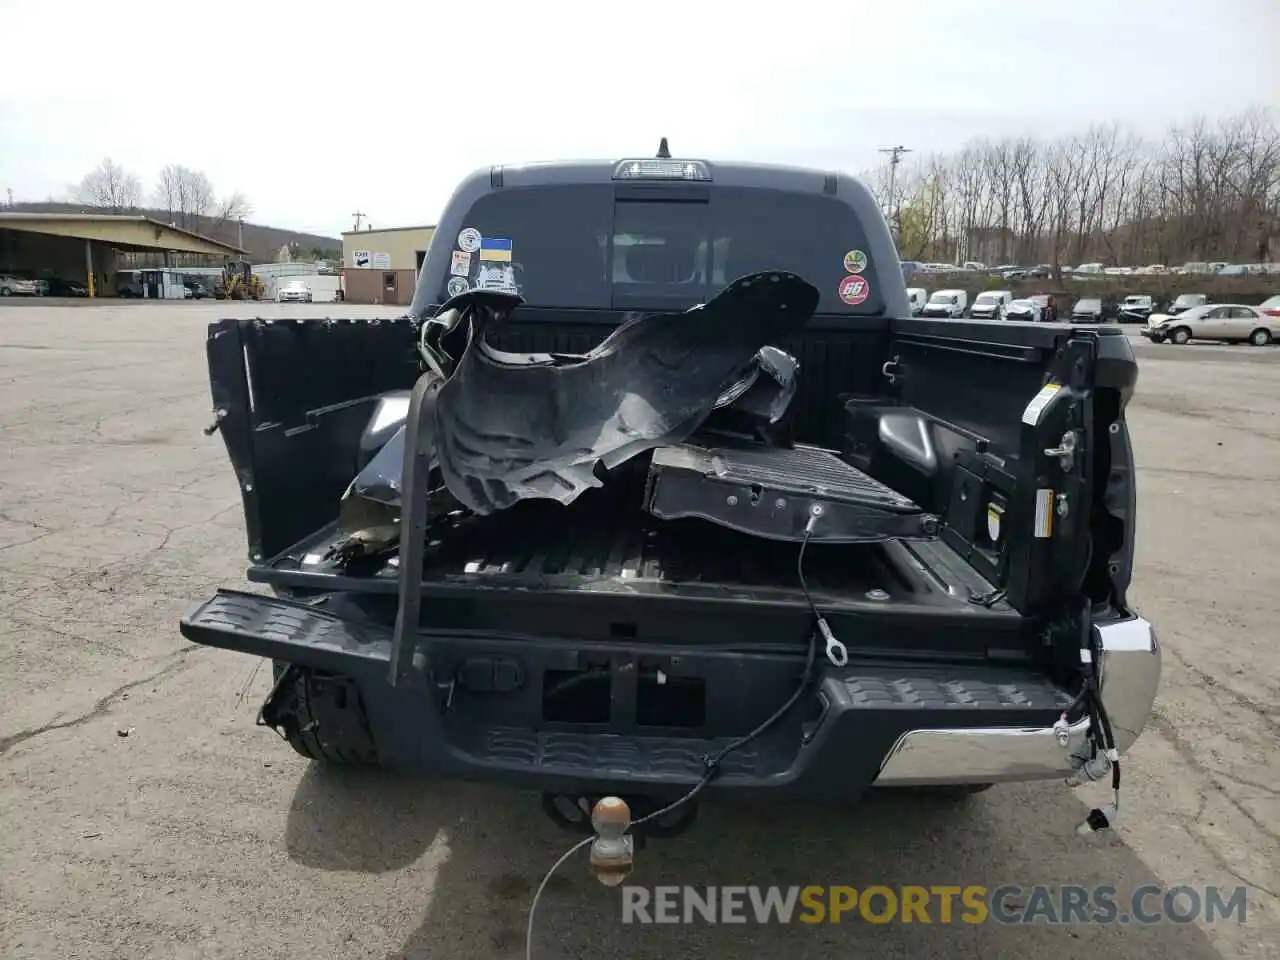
895, 157
359, 216
240, 232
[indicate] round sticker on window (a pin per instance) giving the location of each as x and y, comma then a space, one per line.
469, 240
457, 286
853, 290
855, 261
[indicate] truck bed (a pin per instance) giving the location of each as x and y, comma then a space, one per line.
627, 573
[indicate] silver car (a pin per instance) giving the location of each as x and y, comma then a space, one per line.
1026, 311
1232, 322
295, 291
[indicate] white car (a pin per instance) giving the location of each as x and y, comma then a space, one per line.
917, 297
946, 303
295, 291
991, 305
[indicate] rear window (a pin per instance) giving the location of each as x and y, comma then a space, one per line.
601, 246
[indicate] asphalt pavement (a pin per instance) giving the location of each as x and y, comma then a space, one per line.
146, 816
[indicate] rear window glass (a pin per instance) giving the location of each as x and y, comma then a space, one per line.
603, 247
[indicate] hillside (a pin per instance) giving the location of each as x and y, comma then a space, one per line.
262, 242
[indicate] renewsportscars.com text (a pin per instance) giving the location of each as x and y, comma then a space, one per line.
1007, 904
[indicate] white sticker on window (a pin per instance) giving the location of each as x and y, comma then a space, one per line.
1031, 415
499, 277
1044, 514
461, 265
469, 240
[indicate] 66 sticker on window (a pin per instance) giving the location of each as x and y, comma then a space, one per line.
854, 290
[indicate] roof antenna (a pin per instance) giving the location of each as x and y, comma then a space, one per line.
664, 152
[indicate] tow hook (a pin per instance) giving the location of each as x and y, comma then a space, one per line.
613, 850
576, 813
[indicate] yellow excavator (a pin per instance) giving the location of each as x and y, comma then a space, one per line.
239, 282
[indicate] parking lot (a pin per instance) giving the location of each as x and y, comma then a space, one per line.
145, 816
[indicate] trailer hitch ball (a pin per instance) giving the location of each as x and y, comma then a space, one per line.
613, 850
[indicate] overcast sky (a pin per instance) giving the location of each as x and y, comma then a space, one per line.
383, 106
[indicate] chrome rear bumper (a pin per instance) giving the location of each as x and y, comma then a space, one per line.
1129, 674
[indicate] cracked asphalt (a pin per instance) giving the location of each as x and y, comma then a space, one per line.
143, 815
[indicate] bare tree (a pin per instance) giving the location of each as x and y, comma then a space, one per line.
109, 187
1203, 191
186, 195
230, 209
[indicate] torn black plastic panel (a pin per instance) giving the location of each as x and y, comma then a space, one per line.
545, 426
513, 427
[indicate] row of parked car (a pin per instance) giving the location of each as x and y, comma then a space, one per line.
1189, 316
1086, 271
988, 305
12, 285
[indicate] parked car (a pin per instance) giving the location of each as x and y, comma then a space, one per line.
1025, 311
295, 291
11, 286
128, 285
1185, 301
1231, 322
60, 287
1087, 310
1136, 308
917, 297
195, 289
946, 303
1271, 306
990, 305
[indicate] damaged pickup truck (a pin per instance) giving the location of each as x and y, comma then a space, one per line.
658, 487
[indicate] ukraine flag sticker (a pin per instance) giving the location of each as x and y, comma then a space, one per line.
496, 249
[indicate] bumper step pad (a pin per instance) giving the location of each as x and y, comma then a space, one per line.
944, 723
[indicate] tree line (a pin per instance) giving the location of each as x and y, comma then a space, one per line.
1204, 191
185, 196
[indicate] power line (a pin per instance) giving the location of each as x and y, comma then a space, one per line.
895, 158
